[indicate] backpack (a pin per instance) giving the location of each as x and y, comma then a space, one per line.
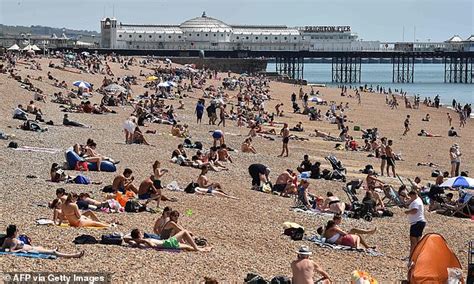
13, 144
85, 240
81, 166
132, 206
198, 145
187, 141
80, 179
108, 189
280, 280
191, 187
296, 234
112, 239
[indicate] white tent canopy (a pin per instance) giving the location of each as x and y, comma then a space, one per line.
14, 47
28, 47
35, 48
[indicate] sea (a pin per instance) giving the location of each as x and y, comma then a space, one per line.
428, 80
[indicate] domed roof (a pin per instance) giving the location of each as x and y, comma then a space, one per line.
205, 24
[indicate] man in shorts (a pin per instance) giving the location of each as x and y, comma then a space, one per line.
218, 135
182, 240
303, 268
390, 158
284, 184
285, 132
416, 217
407, 125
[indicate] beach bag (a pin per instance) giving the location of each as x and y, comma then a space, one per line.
132, 206
81, 166
435, 173
112, 239
85, 240
198, 145
267, 188
108, 189
80, 179
187, 141
13, 144
296, 234
253, 278
191, 188
280, 280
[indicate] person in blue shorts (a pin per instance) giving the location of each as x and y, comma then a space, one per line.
218, 136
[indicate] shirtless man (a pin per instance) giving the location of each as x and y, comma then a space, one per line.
284, 184
390, 158
407, 125
124, 182
303, 268
285, 132
148, 191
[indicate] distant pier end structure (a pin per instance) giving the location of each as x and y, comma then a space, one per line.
289, 47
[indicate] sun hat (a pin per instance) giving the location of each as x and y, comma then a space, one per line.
304, 250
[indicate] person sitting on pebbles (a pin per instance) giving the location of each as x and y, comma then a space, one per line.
12, 243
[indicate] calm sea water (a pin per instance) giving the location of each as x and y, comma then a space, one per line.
428, 80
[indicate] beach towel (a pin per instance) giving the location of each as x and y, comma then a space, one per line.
312, 212
38, 149
321, 242
48, 222
29, 254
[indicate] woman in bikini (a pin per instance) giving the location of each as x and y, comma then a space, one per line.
13, 244
71, 213
334, 235
247, 146
333, 204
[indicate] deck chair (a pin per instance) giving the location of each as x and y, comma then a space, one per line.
464, 208
392, 197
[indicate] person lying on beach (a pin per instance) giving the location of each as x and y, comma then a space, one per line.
338, 221
247, 146
68, 122
12, 243
298, 127
210, 161
70, 212
427, 134
182, 241
324, 135
284, 183
333, 204
428, 164
334, 235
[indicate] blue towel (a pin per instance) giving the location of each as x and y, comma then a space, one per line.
29, 254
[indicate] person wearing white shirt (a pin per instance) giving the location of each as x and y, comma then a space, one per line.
416, 217
20, 113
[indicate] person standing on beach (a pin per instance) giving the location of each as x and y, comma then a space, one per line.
390, 158
416, 217
285, 132
199, 111
407, 125
303, 268
222, 115
450, 119
455, 157
383, 154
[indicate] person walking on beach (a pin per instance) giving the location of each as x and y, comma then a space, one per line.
285, 132
390, 158
416, 217
407, 125
303, 268
383, 154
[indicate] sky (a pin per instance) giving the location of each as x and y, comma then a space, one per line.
384, 20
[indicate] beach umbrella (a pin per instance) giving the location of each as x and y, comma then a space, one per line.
152, 78
14, 47
460, 181
115, 88
82, 84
